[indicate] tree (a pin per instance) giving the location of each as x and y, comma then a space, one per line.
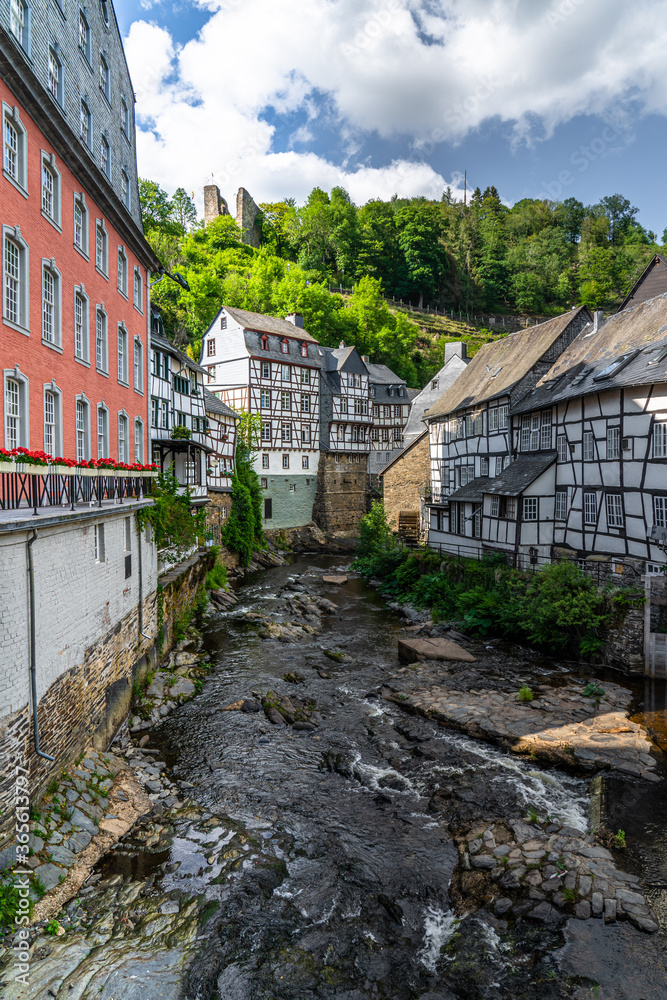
419, 231
620, 214
183, 211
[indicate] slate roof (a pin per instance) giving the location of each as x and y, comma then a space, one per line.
253, 342
498, 366
381, 375
519, 474
639, 331
268, 324
215, 405
651, 282
472, 492
166, 345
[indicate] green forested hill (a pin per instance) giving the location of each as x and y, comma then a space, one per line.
538, 257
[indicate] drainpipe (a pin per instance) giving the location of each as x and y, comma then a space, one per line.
141, 588
33, 665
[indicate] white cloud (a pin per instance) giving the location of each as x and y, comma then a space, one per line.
429, 70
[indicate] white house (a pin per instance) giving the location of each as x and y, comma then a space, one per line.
390, 399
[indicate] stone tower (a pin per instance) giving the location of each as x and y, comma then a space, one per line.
247, 220
214, 204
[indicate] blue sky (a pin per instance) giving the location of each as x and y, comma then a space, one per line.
550, 99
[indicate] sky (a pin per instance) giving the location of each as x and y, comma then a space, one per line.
541, 98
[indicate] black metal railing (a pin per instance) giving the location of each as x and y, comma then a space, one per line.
24, 490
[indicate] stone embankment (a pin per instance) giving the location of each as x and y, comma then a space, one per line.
547, 872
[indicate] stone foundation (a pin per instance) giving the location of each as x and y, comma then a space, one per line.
342, 492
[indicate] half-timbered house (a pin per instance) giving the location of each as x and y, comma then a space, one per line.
222, 421
179, 434
469, 426
390, 402
270, 367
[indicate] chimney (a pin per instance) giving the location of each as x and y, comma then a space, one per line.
366, 359
341, 345
296, 319
598, 319
457, 350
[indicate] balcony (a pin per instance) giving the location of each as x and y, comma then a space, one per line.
41, 492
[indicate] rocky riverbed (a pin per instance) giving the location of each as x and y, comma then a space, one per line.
311, 838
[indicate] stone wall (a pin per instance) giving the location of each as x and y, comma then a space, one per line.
342, 492
101, 654
624, 647
404, 479
214, 205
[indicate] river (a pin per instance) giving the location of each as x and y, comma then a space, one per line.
326, 856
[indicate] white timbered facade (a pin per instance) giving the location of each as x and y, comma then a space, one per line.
347, 414
270, 368
222, 421
390, 401
470, 427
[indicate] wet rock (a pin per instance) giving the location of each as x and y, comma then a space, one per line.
249, 705
543, 912
502, 906
183, 688
610, 908
294, 678
274, 716
582, 910
304, 727
484, 861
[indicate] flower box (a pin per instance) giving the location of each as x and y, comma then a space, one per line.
7, 467
61, 470
27, 469
86, 473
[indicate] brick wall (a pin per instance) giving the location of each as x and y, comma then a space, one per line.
342, 492
403, 481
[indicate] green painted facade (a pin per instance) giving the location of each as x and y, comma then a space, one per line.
292, 499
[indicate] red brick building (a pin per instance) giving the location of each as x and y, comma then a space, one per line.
75, 322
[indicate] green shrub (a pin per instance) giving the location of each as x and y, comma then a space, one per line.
216, 578
175, 524
242, 532
9, 900
525, 693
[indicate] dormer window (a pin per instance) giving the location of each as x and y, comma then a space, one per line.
304, 350
434, 383
284, 346
615, 366
264, 343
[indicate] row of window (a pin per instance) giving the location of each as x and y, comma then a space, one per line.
17, 416
472, 424
15, 161
305, 464
286, 401
285, 433
265, 344
387, 411
360, 406
386, 433
461, 475
160, 417
358, 432
15, 311
283, 372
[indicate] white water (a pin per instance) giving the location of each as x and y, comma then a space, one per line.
439, 927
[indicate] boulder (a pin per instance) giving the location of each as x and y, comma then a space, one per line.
337, 580
183, 688
433, 649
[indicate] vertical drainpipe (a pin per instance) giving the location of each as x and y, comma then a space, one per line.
141, 585
31, 637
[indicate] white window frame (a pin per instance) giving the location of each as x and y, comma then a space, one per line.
483, 466
82, 427
15, 375
137, 289
614, 508
265, 461
16, 169
49, 169
545, 431
590, 508
19, 23
493, 418
125, 189
105, 156
85, 46
123, 437
560, 505
122, 266
503, 416
305, 462
100, 553
305, 402
588, 446
19, 319
613, 452
80, 204
53, 395
660, 438
561, 447
265, 366
122, 351
265, 399
101, 327
86, 124
495, 506
52, 282
104, 74
101, 255
265, 434
660, 511
55, 60
102, 431
138, 440
286, 433
138, 359
285, 461
82, 356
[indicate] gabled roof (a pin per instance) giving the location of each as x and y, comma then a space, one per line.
498, 366
214, 405
166, 345
403, 453
268, 324
651, 282
381, 375
635, 334
519, 474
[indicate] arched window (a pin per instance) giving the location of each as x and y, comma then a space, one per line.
265, 343
284, 346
